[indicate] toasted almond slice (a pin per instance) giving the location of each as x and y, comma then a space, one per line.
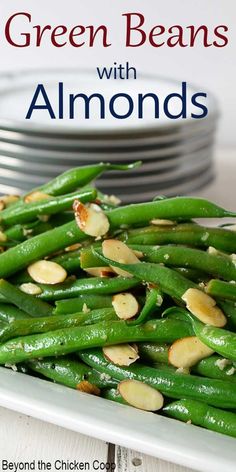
99, 271
2, 205
186, 352
112, 199
160, 222
231, 227
204, 307
47, 272
212, 250
141, 395
121, 354
125, 305
91, 219
73, 247
3, 237
85, 308
87, 387
119, 252
44, 218
233, 258
138, 254
30, 288
9, 199
36, 197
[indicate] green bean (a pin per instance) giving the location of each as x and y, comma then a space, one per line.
153, 352
21, 277
89, 259
69, 372
19, 233
20, 256
4, 300
215, 392
73, 305
229, 309
39, 246
29, 211
170, 208
216, 367
16, 233
220, 340
25, 327
70, 261
62, 370
218, 266
203, 415
93, 285
218, 288
31, 305
9, 313
113, 395
170, 282
65, 341
189, 234
81, 176
196, 276
73, 179
153, 300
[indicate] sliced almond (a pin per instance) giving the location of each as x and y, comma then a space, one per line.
2, 205
125, 305
121, 354
47, 272
186, 352
119, 252
215, 252
160, 222
111, 199
138, 254
99, 271
30, 288
44, 218
212, 250
3, 237
204, 307
73, 247
85, 308
87, 387
91, 219
141, 395
36, 197
9, 199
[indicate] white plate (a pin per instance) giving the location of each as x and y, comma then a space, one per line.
161, 437
72, 142
29, 153
142, 193
154, 167
17, 93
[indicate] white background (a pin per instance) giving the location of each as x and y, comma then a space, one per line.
209, 68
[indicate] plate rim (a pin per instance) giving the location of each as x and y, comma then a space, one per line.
21, 125
27, 395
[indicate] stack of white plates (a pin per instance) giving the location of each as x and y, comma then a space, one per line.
176, 154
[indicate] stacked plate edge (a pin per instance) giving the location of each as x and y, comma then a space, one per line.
177, 155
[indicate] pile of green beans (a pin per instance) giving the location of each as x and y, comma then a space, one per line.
60, 331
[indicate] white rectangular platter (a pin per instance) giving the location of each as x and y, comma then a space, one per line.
152, 434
